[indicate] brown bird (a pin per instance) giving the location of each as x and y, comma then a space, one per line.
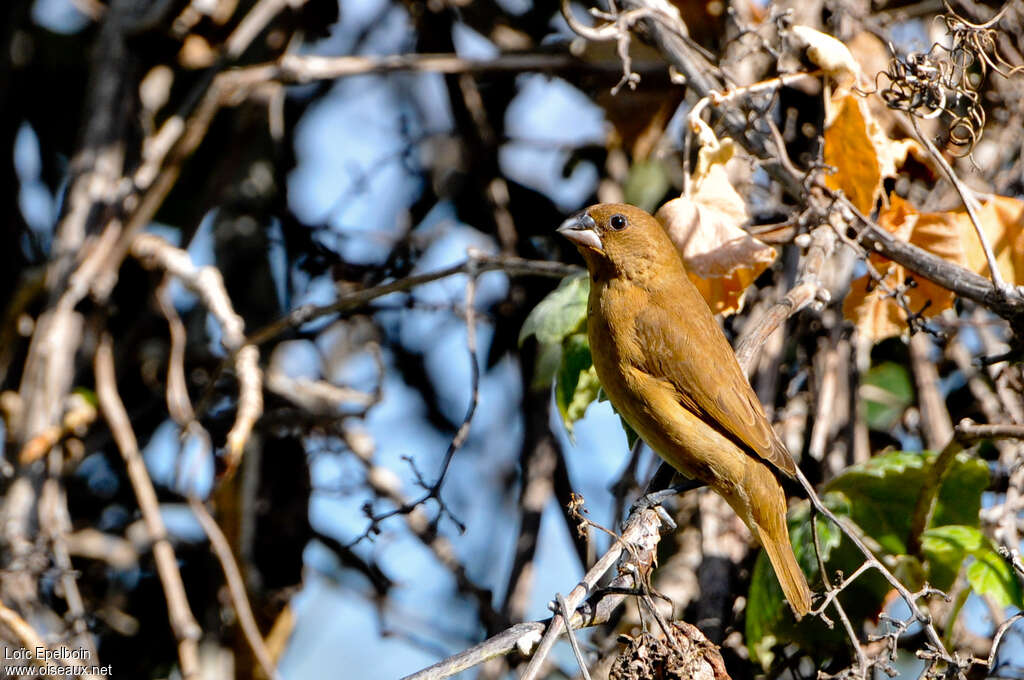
670, 372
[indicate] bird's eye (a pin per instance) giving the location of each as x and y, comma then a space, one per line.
618, 222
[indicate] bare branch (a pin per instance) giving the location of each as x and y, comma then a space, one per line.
208, 284
236, 587
183, 624
637, 546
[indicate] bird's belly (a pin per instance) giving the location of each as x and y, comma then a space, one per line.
690, 445
682, 438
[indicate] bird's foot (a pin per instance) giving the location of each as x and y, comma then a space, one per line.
655, 498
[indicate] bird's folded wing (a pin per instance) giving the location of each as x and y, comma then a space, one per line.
707, 378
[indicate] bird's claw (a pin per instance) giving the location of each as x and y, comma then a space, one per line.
656, 498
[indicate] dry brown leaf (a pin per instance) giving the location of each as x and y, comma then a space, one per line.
877, 317
949, 235
1002, 218
851, 151
721, 259
831, 55
952, 236
874, 311
861, 152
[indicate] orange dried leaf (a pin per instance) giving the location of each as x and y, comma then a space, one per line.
1002, 219
952, 236
721, 259
876, 316
860, 151
850, 150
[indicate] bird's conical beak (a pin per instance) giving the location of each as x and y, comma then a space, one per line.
582, 230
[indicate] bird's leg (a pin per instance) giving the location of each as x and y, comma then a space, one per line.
657, 493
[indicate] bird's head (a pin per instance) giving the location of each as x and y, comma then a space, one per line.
621, 240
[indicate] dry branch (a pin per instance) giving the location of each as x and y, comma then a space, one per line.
208, 284
236, 587
183, 624
636, 546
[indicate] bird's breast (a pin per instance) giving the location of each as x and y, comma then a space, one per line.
651, 404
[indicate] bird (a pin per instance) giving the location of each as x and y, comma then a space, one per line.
670, 372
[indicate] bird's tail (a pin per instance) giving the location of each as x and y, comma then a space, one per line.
772, 533
791, 578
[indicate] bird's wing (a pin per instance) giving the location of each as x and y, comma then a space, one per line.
707, 379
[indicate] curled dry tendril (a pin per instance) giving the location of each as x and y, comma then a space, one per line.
947, 80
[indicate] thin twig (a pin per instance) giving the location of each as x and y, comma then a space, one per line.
475, 261
384, 484
433, 491
563, 610
236, 587
873, 562
183, 624
1004, 628
642, 530
307, 68
808, 289
832, 596
179, 406
970, 204
208, 283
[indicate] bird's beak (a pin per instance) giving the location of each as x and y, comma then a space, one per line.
582, 230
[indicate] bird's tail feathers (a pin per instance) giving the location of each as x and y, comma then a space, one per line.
791, 578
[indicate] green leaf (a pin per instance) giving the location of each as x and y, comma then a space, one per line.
829, 535
646, 184
883, 492
888, 391
991, 575
545, 368
959, 500
945, 549
577, 384
560, 314
87, 394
